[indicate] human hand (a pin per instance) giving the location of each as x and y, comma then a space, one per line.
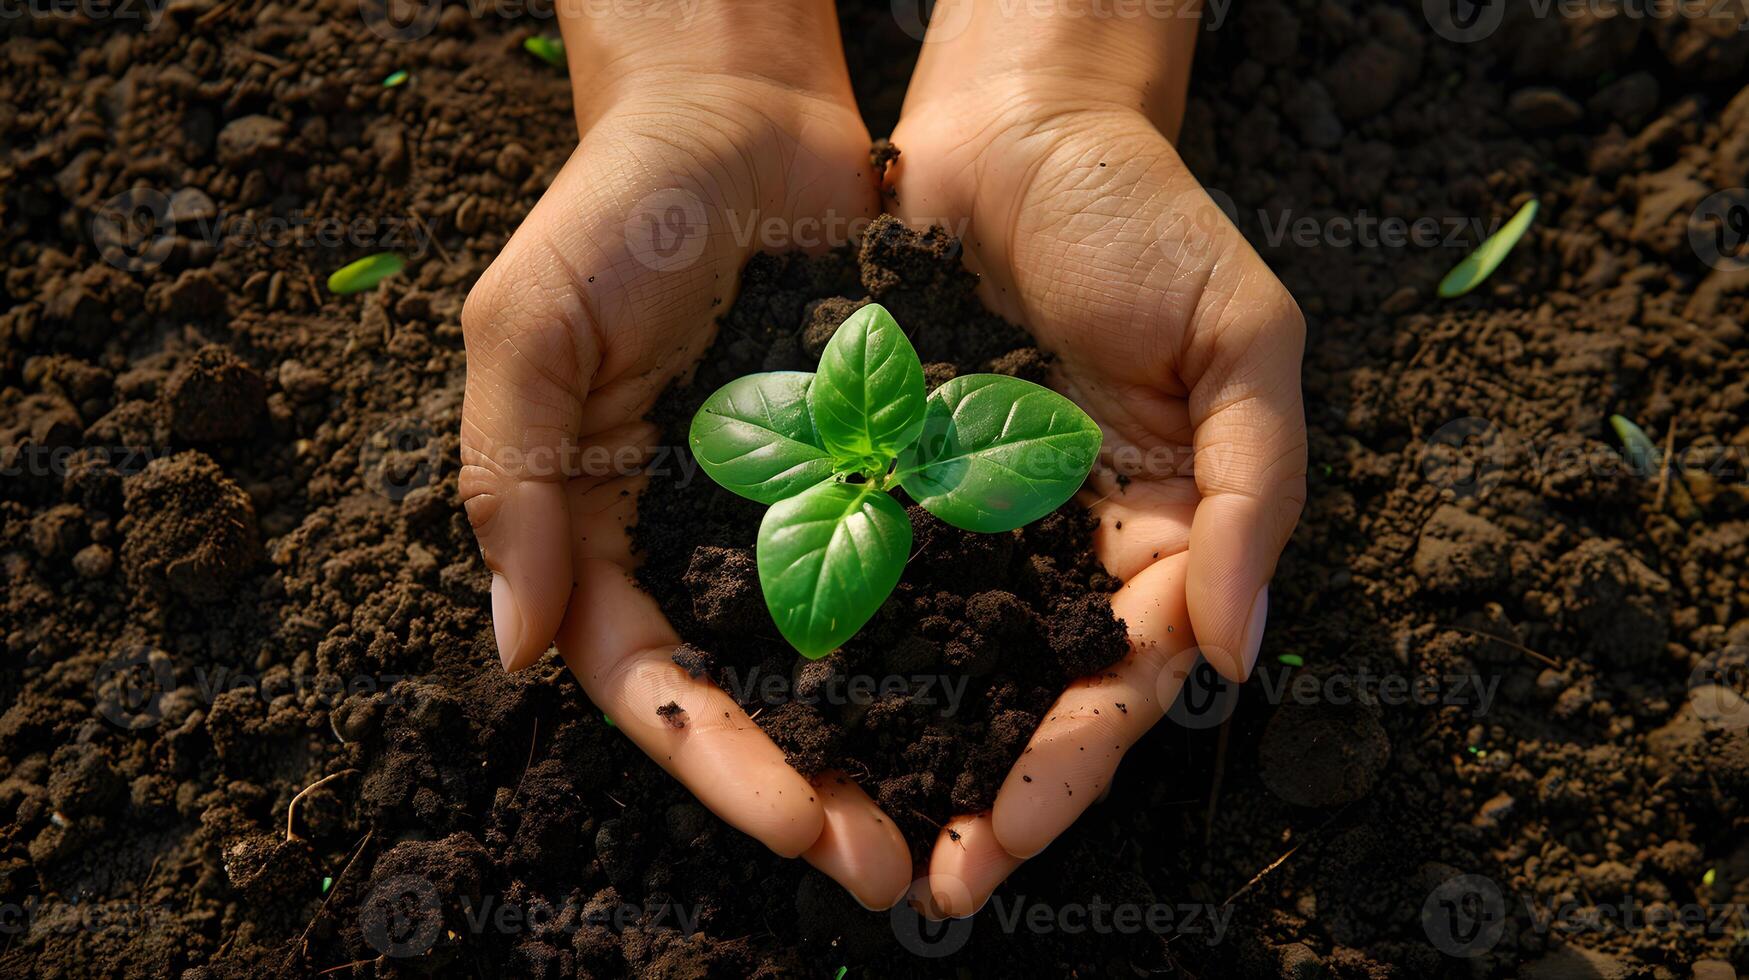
607, 291
1044, 143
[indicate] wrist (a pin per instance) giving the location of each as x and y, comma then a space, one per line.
623, 51
1045, 60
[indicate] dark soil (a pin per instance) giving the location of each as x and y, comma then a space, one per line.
234, 563
931, 703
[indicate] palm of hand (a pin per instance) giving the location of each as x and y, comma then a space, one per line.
1172, 334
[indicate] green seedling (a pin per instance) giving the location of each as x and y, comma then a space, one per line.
396, 78
359, 276
841, 972
1642, 453
327, 883
1712, 875
548, 49
1480, 264
1291, 659
983, 452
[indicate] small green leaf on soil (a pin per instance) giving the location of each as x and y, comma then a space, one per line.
1642, 452
841, 972
398, 78
548, 49
1481, 263
609, 721
1292, 659
327, 883
365, 273
1712, 875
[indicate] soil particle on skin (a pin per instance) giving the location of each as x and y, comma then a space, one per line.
672, 715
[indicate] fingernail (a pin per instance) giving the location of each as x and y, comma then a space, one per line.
1254, 632
506, 620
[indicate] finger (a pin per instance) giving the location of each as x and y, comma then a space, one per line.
1250, 468
1141, 524
860, 847
603, 504
964, 869
532, 353
1074, 753
620, 648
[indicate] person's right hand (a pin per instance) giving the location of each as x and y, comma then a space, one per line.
693, 128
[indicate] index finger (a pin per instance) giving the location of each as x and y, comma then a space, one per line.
1074, 753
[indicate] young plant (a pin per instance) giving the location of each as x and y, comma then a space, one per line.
983, 452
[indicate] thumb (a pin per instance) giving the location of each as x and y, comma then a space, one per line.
532, 352
1250, 466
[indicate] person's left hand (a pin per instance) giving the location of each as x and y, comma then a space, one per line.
1175, 337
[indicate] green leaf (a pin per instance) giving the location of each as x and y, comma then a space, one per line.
1481, 263
365, 273
828, 558
868, 396
1642, 453
396, 78
998, 452
548, 49
756, 437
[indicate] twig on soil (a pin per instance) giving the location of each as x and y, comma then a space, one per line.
1541, 658
344, 966
952, 835
1664, 469
532, 738
614, 798
291, 808
1278, 862
333, 890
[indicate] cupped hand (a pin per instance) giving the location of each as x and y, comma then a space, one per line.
607, 291
1175, 337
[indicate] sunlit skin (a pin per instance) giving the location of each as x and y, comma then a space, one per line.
1047, 144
